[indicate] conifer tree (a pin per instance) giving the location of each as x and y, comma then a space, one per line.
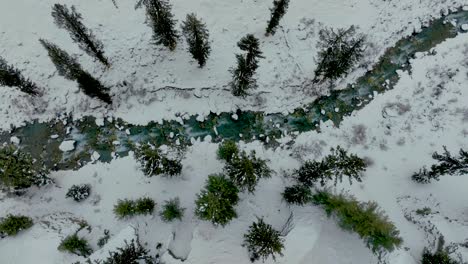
263, 241
339, 51
12, 77
71, 21
196, 34
243, 76
277, 12
68, 67
161, 20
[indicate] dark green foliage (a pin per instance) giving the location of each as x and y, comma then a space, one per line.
71, 21
424, 211
277, 12
153, 162
104, 239
128, 208
263, 241
338, 52
196, 34
172, 210
447, 165
75, 245
366, 219
297, 194
334, 166
227, 149
440, 256
79, 192
161, 20
13, 224
68, 67
19, 171
243, 76
12, 77
246, 170
216, 201
132, 253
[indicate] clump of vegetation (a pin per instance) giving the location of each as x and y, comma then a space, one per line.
446, 165
246, 170
216, 201
440, 256
333, 167
172, 210
75, 245
79, 192
104, 239
263, 241
227, 150
13, 224
338, 52
153, 162
131, 253
297, 194
12, 77
18, 170
424, 211
128, 208
277, 12
366, 219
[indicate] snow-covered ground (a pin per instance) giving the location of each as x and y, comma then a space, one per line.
397, 131
162, 84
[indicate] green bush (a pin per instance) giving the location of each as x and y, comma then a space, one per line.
246, 170
297, 194
263, 241
79, 192
19, 171
440, 256
366, 219
216, 201
127, 208
171, 210
131, 253
333, 167
227, 150
75, 245
13, 224
153, 162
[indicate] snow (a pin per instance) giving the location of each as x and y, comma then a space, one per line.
127, 234
464, 27
67, 145
54, 136
15, 140
95, 156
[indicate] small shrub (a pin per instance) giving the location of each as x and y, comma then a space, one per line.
440, 256
171, 210
75, 245
13, 224
79, 192
19, 171
424, 211
131, 253
127, 208
227, 150
216, 201
246, 170
153, 162
104, 239
366, 219
297, 194
263, 241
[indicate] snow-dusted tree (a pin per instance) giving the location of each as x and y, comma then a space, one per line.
243, 76
297, 194
338, 52
153, 162
132, 253
68, 67
71, 21
79, 192
196, 34
262, 241
12, 77
246, 170
216, 201
277, 12
161, 20
447, 165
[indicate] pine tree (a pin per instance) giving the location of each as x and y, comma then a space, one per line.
12, 77
68, 67
196, 34
71, 21
160, 18
242, 76
263, 241
339, 51
278, 11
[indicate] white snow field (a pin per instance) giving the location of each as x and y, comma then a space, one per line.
398, 131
